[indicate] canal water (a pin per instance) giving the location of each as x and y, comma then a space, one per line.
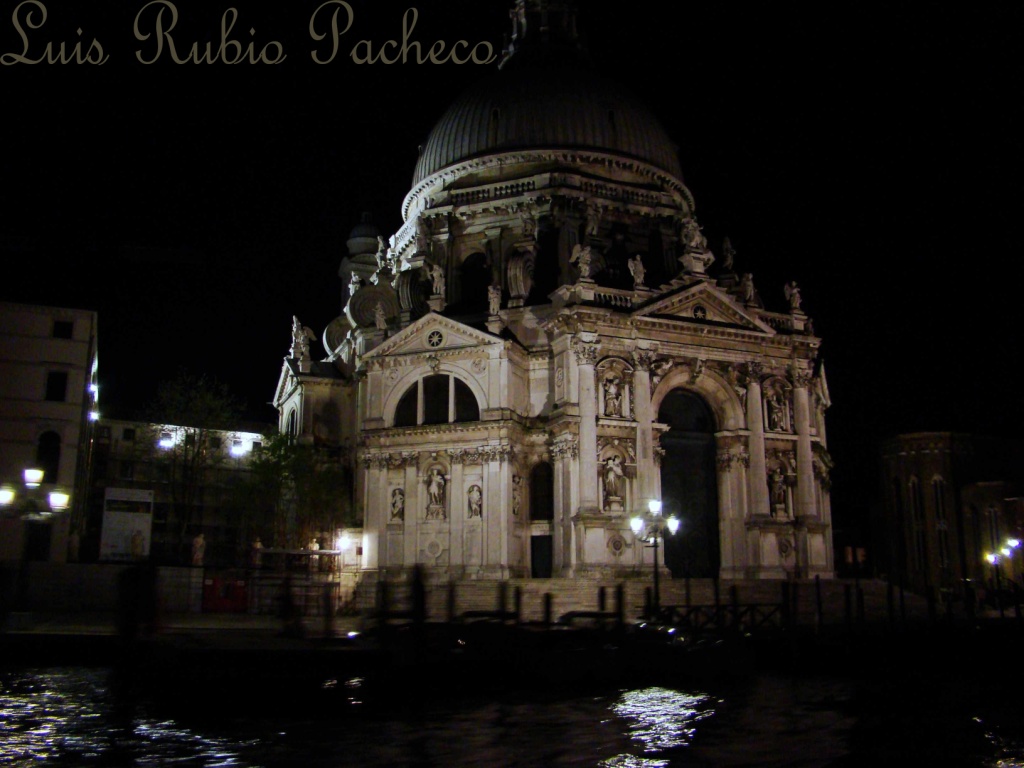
74, 716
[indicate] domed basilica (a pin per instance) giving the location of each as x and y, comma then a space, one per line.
548, 343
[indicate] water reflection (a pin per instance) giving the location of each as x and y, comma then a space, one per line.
73, 717
68, 717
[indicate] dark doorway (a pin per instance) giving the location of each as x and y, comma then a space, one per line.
540, 557
689, 485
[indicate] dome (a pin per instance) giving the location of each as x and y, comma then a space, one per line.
535, 107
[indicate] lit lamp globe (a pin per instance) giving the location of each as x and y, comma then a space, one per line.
33, 477
6, 496
59, 500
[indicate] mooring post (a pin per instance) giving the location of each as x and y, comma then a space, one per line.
785, 606
891, 603
451, 602
848, 607
718, 606
547, 610
648, 603
600, 599
517, 597
818, 617
620, 606
734, 598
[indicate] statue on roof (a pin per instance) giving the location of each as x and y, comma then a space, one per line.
301, 336
728, 254
636, 269
581, 256
747, 290
793, 296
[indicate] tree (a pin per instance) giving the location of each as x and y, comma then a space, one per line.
297, 491
188, 419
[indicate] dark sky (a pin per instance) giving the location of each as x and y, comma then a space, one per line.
870, 152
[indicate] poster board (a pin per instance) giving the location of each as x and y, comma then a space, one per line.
127, 524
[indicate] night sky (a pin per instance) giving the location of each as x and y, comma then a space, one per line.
870, 153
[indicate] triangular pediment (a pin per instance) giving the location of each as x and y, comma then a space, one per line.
285, 383
432, 333
704, 304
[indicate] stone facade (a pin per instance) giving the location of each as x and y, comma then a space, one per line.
519, 362
949, 499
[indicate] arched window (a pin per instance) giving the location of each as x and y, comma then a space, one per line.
474, 277
293, 423
437, 399
48, 456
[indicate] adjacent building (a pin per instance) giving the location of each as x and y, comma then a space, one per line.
949, 502
48, 401
156, 487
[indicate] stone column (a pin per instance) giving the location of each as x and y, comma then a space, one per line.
585, 349
805, 506
410, 534
758, 474
458, 512
642, 359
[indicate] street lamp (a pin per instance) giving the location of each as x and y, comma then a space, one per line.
650, 528
31, 503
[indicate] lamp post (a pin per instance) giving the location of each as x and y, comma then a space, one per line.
30, 505
993, 559
650, 528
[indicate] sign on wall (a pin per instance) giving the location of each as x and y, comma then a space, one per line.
127, 524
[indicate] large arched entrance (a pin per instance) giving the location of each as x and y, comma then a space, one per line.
689, 486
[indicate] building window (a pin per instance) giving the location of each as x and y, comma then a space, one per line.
127, 470
63, 329
48, 456
128, 434
257, 446
292, 423
57, 386
917, 526
438, 399
941, 524
215, 441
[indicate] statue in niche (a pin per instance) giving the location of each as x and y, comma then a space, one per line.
613, 477
776, 411
382, 253
437, 276
636, 269
613, 396
198, 549
777, 484
581, 256
493, 299
398, 504
793, 296
593, 220
435, 492
747, 288
529, 224
517, 493
380, 317
353, 284
476, 501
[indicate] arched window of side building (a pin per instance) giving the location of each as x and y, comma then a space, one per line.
48, 456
